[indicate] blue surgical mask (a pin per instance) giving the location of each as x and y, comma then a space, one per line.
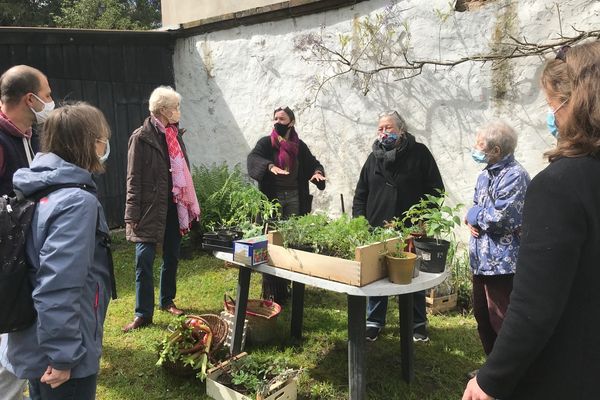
479, 156
388, 140
551, 119
551, 123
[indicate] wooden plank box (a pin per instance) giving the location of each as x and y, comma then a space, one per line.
439, 304
287, 390
367, 267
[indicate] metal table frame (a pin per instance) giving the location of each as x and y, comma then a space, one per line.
356, 314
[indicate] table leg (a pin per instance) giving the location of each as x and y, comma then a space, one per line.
407, 348
241, 302
297, 309
357, 309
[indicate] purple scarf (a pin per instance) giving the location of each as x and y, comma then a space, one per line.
287, 149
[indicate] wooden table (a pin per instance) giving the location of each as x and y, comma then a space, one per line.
356, 314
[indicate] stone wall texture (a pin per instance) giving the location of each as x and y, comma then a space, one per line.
231, 81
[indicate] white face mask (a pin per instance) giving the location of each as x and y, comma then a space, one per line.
42, 116
104, 157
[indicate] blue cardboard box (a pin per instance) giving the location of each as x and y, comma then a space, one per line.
251, 251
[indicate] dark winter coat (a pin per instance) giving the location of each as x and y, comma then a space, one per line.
14, 158
549, 345
387, 189
264, 154
149, 183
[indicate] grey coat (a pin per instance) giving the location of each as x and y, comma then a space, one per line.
70, 275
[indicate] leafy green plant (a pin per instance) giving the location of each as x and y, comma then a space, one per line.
187, 345
432, 217
334, 237
229, 199
255, 374
460, 277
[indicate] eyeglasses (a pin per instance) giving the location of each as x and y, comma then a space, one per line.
102, 141
561, 54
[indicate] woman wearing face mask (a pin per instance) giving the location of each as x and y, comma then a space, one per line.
283, 165
397, 174
549, 347
494, 221
67, 252
161, 202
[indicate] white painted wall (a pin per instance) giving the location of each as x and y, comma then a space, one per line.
232, 80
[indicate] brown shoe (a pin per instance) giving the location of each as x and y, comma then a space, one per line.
138, 322
172, 308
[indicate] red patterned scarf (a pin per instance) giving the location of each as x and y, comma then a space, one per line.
184, 194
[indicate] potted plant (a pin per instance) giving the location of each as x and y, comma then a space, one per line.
431, 221
252, 377
400, 263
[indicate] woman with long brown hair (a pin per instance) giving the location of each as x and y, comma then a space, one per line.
549, 347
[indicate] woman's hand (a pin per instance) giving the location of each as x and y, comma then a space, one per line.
474, 230
474, 392
317, 177
132, 224
275, 170
55, 377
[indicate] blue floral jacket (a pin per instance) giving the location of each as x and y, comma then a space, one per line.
497, 212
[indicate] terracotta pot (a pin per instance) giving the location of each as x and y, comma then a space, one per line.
401, 270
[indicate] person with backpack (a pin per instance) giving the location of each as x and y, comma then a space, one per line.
69, 261
25, 98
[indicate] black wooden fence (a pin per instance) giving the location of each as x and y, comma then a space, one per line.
112, 70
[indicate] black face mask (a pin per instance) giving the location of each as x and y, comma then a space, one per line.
281, 129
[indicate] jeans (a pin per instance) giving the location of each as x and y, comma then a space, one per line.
144, 260
73, 389
491, 295
290, 202
377, 309
272, 286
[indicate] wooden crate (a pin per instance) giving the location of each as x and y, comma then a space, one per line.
287, 390
367, 267
439, 304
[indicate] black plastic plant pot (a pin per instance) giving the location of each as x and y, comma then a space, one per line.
433, 254
229, 234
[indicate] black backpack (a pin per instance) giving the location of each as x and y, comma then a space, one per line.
16, 303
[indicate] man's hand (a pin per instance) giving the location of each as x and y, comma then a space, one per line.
474, 392
55, 377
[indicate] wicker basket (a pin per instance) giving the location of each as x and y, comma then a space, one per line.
218, 327
262, 318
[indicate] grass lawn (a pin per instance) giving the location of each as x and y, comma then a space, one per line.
128, 365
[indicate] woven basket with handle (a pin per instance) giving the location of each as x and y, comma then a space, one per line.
261, 315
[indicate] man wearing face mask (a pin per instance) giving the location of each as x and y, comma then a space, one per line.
283, 166
397, 174
25, 99
161, 202
494, 222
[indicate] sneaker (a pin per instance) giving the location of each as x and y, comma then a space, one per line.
372, 333
420, 334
